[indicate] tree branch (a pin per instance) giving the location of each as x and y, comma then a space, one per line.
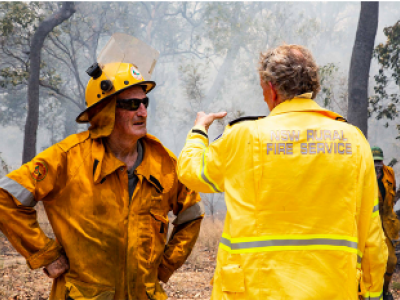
32, 119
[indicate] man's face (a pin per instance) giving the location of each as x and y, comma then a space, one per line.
378, 168
131, 124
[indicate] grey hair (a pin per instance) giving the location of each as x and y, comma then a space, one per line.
291, 69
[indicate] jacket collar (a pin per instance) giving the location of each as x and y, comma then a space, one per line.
158, 165
104, 162
298, 104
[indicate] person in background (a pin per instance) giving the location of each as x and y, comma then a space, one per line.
390, 223
300, 189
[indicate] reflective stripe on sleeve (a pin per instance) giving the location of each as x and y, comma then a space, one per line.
18, 191
192, 213
203, 174
196, 141
288, 242
373, 296
375, 210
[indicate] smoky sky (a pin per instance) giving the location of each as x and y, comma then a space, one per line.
329, 32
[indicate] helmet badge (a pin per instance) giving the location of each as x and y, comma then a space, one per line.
136, 74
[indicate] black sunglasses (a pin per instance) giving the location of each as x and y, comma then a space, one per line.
132, 104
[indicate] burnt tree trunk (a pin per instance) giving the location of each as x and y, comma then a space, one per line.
360, 64
32, 118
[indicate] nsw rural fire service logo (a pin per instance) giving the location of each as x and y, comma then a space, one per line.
136, 74
39, 171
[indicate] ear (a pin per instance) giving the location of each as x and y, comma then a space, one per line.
273, 91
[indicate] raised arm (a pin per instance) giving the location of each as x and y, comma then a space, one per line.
200, 164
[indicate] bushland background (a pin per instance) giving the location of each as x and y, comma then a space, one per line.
208, 61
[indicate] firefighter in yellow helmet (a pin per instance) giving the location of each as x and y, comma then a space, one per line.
390, 223
300, 189
107, 193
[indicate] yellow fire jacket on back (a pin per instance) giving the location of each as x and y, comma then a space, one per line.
302, 206
116, 250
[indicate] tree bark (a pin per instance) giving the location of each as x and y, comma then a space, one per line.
360, 65
32, 118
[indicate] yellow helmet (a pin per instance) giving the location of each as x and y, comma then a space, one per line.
116, 71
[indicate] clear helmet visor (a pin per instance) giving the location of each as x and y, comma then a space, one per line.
123, 48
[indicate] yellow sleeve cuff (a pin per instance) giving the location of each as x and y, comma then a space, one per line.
200, 127
164, 273
45, 256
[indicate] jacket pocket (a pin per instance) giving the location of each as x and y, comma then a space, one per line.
153, 229
159, 231
232, 278
78, 290
156, 199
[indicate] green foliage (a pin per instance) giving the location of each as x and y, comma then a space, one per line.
386, 98
19, 17
12, 77
4, 168
17, 25
333, 94
193, 76
13, 108
392, 162
326, 72
396, 286
66, 54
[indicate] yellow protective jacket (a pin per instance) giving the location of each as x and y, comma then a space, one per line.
116, 250
391, 224
302, 206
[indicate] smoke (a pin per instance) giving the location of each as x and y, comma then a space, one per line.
209, 53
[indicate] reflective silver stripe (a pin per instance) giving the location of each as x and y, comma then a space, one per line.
376, 208
18, 191
226, 242
374, 298
359, 258
204, 175
190, 214
305, 242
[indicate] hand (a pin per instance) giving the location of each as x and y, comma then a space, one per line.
206, 120
57, 267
